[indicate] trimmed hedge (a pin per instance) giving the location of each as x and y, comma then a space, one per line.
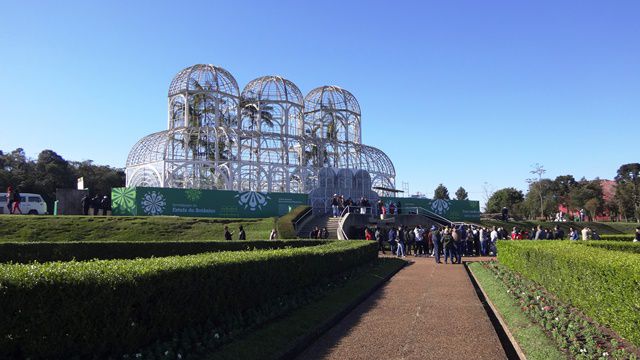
81, 251
602, 283
630, 247
107, 307
285, 222
623, 237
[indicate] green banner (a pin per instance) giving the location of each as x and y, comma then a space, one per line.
454, 210
145, 201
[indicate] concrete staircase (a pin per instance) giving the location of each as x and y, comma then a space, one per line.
321, 221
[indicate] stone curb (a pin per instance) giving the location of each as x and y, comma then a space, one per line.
305, 341
501, 326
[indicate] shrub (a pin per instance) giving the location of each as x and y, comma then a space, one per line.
285, 222
103, 307
603, 283
617, 237
630, 247
80, 251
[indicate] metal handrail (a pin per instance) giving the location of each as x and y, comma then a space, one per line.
303, 216
357, 208
423, 211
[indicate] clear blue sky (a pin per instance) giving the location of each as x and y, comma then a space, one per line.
455, 92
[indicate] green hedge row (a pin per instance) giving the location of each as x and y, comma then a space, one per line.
286, 229
617, 237
630, 247
80, 251
106, 307
604, 284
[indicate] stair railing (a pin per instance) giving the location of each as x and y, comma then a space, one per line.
301, 218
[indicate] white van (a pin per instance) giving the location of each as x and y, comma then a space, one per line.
31, 204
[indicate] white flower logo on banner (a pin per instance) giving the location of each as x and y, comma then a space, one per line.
440, 206
252, 200
153, 203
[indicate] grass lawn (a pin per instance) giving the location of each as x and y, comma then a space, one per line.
277, 338
15, 228
601, 227
532, 339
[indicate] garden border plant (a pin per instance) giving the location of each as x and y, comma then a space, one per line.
586, 276
80, 251
572, 331
64, 309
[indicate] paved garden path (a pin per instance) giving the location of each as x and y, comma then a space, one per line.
426, 311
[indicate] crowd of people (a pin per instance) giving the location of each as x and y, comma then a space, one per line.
448, 242
318, 233
95, 204
363, 206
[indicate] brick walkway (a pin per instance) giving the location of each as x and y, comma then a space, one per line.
424, 312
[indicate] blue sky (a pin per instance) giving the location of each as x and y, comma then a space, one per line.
464, 93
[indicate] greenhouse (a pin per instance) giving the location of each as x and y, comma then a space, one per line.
266, 138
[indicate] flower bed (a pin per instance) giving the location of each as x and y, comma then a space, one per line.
600, 282
65, 309
572, 331
81, 251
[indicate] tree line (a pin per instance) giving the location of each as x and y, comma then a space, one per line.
544, 197
50, 171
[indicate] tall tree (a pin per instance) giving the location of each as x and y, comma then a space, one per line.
629, 176
587, 194
540, 200
539, 171
441, 192
510, 198
462, 194
562, 187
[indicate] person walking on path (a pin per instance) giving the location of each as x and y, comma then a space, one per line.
585, 233
227, 234
637, 238
95, 203
401, 242
335, 205
273, 235
10, 199
86, 203
435, 239
455, 235
241, 234
379, 239
105, 204
16, 201
447, 241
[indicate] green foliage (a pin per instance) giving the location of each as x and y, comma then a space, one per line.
82, 251
624, 246
617, 237
573, 332
285, 222
509, 197
125, 228
602, 283
50, 171
462, 194
628, 190
106, 307
588, 195
441, 192
540, 198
